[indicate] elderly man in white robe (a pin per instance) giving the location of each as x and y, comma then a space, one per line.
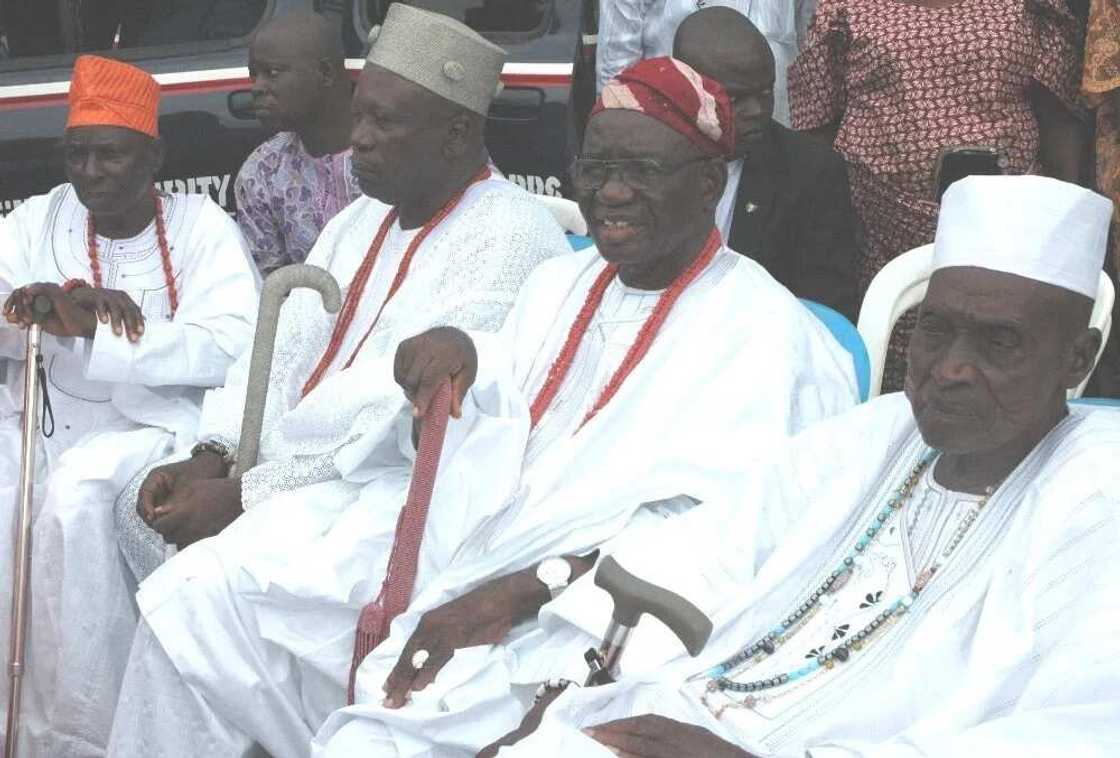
951, 587
439, 238
618, 426
154, 297
582, 370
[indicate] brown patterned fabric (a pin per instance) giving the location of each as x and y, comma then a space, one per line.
1101, 85
904, 81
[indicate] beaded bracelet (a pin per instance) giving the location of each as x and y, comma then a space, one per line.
73, 284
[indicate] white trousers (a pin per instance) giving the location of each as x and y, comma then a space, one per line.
82, 615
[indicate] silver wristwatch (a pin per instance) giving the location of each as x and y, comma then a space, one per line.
554, 573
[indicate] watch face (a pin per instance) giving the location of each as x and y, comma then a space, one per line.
554, 571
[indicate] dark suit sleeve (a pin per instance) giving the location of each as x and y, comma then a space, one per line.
825, 239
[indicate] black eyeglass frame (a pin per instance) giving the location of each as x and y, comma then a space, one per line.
656, 170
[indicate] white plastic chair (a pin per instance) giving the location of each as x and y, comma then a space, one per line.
566, 212
901, 285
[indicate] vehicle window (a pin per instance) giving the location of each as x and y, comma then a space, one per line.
30, 28
500, 20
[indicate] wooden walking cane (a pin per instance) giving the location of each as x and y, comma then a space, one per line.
21, 577
277, 287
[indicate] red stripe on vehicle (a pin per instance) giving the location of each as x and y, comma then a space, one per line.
19, 102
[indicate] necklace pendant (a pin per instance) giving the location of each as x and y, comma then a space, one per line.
717, 709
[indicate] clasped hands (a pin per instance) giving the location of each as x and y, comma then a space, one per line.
76, 313
189, 500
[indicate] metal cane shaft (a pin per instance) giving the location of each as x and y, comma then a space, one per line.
614, 642
22, 553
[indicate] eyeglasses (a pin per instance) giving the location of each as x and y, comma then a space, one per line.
590, 174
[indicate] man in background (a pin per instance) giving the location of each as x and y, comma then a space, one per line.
630, 30
297, 181
786, 204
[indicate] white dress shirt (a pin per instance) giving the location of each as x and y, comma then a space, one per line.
630, 30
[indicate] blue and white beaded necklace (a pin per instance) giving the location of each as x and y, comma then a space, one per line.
834, 580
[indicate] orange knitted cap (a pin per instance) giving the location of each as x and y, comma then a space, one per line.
106, 92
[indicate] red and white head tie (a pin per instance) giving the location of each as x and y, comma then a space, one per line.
678, 96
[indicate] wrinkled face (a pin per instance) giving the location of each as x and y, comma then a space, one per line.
287, 81
989, 360
633, 226
399, 134
111, 168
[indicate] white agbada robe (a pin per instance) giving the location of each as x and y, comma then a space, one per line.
681, 424
467, 273
314, 459
1012, 650
117, 405
281, 626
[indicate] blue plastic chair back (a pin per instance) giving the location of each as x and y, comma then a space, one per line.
579, 241
845, 333
1104, 401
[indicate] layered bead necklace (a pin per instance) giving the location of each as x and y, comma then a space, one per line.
361, 278
164, 251
563, 363
785, 629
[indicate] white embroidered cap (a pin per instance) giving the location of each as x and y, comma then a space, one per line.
440, 54
1033, 226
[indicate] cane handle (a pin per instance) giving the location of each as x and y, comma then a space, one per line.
633, 597
277, 287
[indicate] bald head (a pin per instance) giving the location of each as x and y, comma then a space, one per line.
298, 68
308, 36
724, 45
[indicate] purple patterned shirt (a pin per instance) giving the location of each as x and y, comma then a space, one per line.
285, 197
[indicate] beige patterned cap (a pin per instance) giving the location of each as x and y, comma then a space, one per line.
440, 54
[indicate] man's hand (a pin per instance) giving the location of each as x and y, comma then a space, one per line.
483, 616
67, 318
161, 482
527, 726
659, 737
199, 508
112, 306
424, 361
